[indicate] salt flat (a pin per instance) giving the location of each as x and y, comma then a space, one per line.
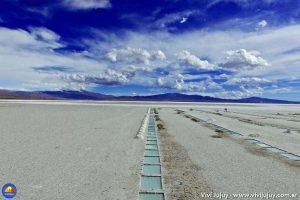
273, 124
226, 165
88, 150
70, 152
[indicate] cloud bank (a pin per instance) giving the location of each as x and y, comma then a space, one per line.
32, 59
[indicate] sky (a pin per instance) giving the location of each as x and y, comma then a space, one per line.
221, 48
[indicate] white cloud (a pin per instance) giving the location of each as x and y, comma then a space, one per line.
22, 51
77, 81
188, 58
242, 59
129, 54
179, 17
210, 84
212, 44
112, 55
177, 81
87, 4
171, 81
251, 91
134, 55
238, 94
108, 77
222, 76
247, 81
283, 90
159, 55
37, 39
183, 20
54, 83
262, 24
44, 34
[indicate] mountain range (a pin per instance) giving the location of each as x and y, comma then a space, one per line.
86, 95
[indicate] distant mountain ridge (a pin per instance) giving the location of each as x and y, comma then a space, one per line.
86, 95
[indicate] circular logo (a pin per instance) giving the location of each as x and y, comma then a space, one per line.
9, 190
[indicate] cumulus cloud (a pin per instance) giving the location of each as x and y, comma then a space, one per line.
112, 55
134, 55
177, 81
242, 59
248, 87
251, 91
188, 58
210, 84
159, 55
171, 81
87, 4
270, 43
129, 54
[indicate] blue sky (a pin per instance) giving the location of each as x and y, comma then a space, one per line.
220, 48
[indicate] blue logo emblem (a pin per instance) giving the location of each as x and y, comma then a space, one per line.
9, 191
